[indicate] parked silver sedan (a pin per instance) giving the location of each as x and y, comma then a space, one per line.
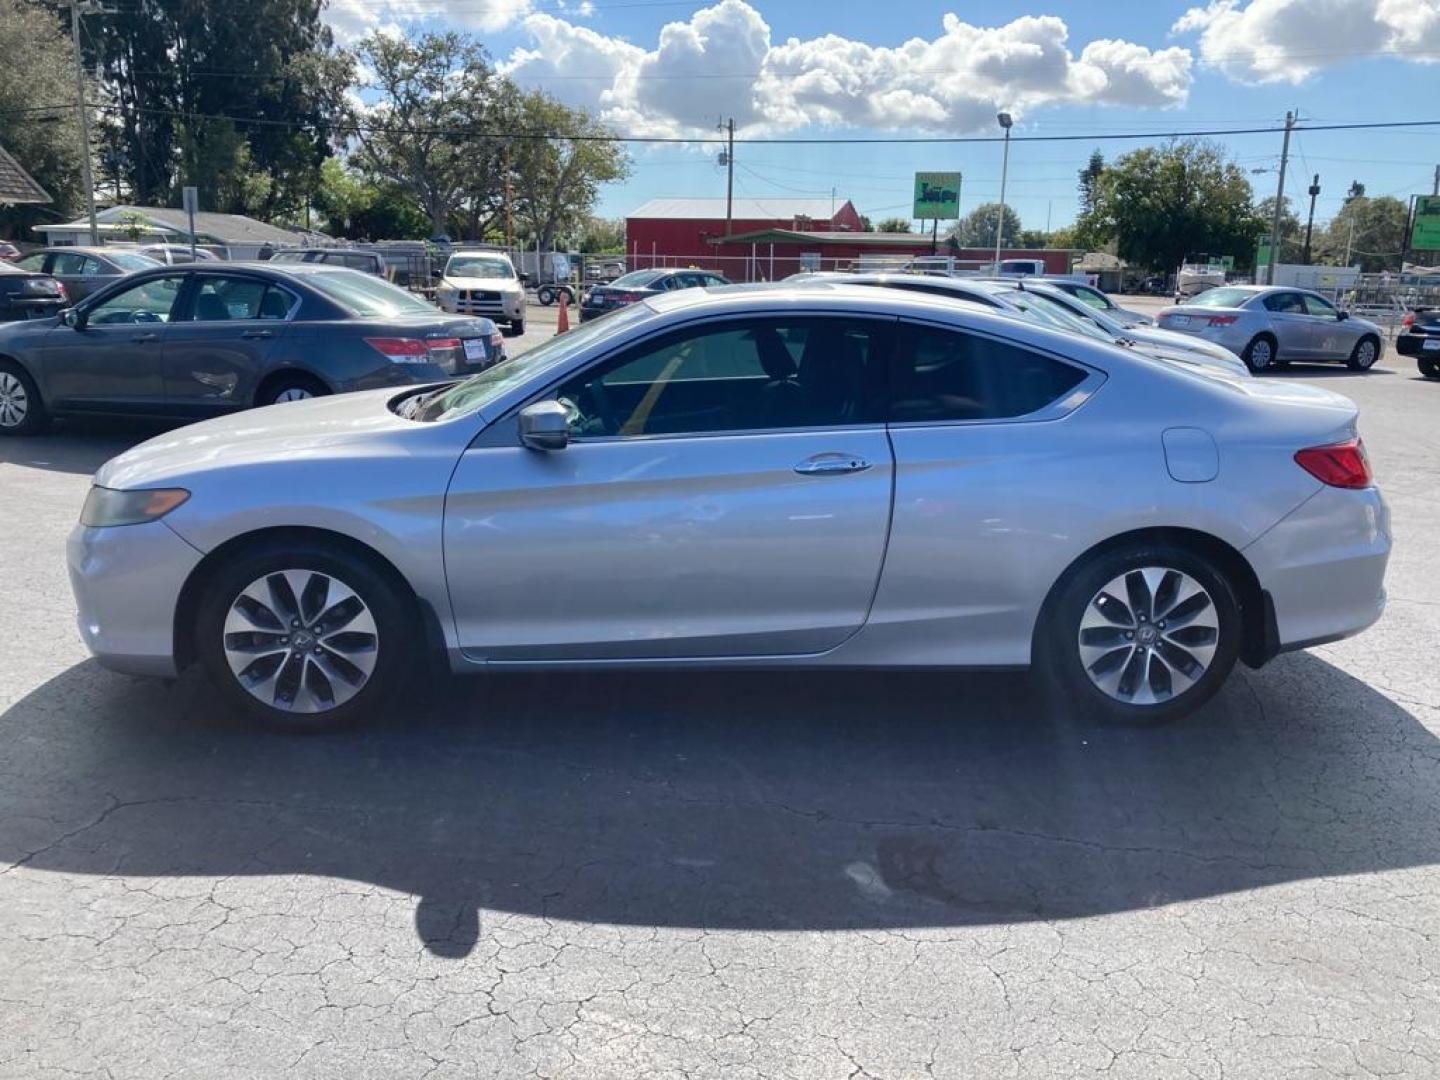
1269, 326
821, 475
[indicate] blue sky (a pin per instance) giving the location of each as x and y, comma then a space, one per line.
800, 68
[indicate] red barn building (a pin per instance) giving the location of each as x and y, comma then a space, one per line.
679, 232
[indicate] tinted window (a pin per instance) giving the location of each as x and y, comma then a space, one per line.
949, 375
1223, 297
1285, 302
220, 299
32, 262
365, 294
1094, 297
73, 264
742, 376
637, 279
127, 261
148, 302
1315, 305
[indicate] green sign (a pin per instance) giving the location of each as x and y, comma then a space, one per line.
1228, 261
937, 195
1262, 253
1425, 233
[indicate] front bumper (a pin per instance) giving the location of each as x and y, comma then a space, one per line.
127, 581
1324, 566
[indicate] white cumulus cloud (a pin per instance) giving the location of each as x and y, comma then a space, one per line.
1289, 40
351, 20
723, 61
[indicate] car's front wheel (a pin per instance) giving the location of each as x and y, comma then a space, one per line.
1364, 355
1142, 634
303, 638
22, 410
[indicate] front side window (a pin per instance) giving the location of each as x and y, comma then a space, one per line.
756, 374
942, 374
221, 299
1315, 305
148, 302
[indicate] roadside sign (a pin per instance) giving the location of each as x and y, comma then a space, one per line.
1262, 253
937, 195
1425, 233
1228, 261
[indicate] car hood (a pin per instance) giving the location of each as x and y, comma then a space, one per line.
493, 284
314, 428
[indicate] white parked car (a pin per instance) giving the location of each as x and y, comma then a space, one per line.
483, 283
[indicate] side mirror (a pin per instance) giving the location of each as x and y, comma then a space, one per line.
1341, 316
545, 425
73, 318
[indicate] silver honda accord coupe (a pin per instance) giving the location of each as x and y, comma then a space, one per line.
811, 474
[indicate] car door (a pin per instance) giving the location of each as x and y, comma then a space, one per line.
220, 340
1293, 327
726, 492
1332, 338
112, 361
985, 484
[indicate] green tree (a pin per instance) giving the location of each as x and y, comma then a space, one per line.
1161, 202
1372, 230
1063, 237
977, 228
893, 225
1292, 231
176, 68
39, 70
603, 236
1090, 179
431, 90
353, 208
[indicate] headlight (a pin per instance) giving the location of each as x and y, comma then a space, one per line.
106, 506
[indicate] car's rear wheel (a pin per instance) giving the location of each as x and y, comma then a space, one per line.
296, 387
1140, 634
1429, 367
303, 638
517, 327
1364, 355
545, 295
1260, 354
22, 410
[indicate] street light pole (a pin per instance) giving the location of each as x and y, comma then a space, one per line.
1005, 122
1310, 221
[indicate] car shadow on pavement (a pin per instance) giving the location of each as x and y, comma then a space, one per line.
80, 446
772, 800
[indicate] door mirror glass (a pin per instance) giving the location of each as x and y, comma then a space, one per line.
545, 425
73, 318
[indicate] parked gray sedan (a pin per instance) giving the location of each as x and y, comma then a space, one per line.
84, 270
819, 475
1269, 326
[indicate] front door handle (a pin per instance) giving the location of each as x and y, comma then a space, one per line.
825, 464
257, 334
145, 337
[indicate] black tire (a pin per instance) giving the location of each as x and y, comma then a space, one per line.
545, 295
1261, 354
1058, 639
22, 409
517, 327
289, 387
1361, 358
393, 655
1429, 367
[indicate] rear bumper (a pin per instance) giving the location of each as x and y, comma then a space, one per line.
1414, 345
127, 581
1324, 566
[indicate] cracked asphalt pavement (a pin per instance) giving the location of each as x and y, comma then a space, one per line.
808, 875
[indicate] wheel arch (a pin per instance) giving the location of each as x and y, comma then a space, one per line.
1259, 636
188, 603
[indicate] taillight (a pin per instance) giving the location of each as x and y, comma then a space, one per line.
1223, 320
444, 343
1342, 464
1408, 319
627, 297
401, 350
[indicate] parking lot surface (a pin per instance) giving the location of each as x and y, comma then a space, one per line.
786, 874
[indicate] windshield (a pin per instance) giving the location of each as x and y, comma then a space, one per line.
365, 294
479, 266
1223, 297
476, 392
129, 260
637, 279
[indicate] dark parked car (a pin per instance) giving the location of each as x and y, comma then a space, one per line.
1420, 337
26, 294
638, 284
84, 270
213, 338
367, 262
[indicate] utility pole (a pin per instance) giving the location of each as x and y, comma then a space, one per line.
1004, 121
85, 176
509, 196
729, 128
1435, 187
1310, 221
1279, 200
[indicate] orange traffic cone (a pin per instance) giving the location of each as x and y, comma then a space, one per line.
563, 323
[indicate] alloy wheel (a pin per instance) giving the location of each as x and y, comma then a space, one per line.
1148, 635
14, 402
1365, 354
301, 641
293, 393
1260, 354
